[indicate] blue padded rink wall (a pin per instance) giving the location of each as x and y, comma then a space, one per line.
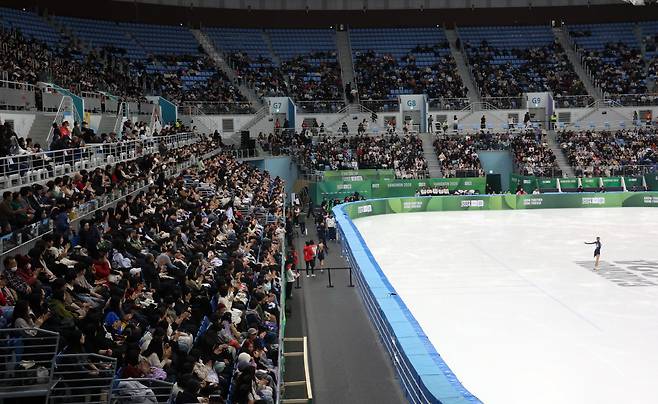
495, 306
424, 375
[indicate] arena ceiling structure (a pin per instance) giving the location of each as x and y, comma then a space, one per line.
355, 13
319, 5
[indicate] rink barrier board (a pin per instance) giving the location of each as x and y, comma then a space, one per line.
423, 374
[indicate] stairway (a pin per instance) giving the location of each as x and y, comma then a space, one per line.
563, 38
40, 128
106, 125
220, 64
433, 165
651, 85
344, 48
270, 48
462, 67
551, 139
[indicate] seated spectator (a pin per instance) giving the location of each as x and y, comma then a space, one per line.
606, 153
544, 68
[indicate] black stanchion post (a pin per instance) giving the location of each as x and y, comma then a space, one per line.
351, 285
329, 272
297, 284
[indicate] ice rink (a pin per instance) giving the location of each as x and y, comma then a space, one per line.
510, 301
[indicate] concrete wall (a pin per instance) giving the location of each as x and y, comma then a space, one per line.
282, 167
498, 162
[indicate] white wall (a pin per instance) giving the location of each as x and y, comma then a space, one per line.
239, 120
612, 116
22, 121
496, 118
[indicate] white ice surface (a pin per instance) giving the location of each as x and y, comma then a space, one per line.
501, 298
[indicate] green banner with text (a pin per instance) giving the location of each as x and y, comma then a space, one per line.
500, 202
358, 175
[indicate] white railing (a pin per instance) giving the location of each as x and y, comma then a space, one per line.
26, 169
65, 105
122, 112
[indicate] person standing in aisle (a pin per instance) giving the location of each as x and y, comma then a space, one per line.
331, 227
309, 258
321, 255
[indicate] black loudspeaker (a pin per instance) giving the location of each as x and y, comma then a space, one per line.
244, 139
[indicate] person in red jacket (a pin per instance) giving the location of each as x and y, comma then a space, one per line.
101, 268
309, 258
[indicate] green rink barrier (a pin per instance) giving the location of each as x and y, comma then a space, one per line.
568, 183
340, 189
389, 188
611, 182
652, 181
400, 188
358, 175
528, 183
633, 182
590, 182
547, 183
374, 207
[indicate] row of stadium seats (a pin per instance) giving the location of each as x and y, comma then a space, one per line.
506, 61
514, 60
404, 61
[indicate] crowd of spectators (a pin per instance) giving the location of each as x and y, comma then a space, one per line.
179, 283
297, 77
533, 155
215, 88
403, 154
108, 69
458, 154
38, 201
610, 152
380, 75
544, 68
618, 69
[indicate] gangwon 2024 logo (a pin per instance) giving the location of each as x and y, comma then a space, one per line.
412, 205
593, 201
472, 203
364, 209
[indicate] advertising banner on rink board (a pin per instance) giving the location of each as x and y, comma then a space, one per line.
633, 183
340, 187
393, 188
373, 207
358, 175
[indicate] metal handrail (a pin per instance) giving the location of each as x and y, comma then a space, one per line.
19, 238
29, 168
122, 111
82, 377
59, 115
27, 361
157, 391
17, 85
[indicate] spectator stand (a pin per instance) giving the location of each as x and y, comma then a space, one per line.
615, 66
509, 61
395, 61
32, 232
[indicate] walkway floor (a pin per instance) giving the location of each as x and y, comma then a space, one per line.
348, 362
